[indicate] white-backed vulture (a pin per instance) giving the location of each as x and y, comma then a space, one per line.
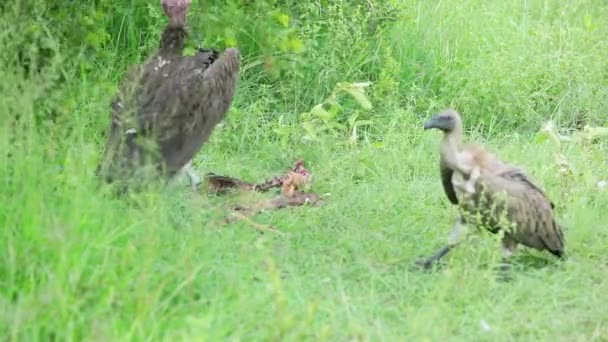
504, 198
168, 107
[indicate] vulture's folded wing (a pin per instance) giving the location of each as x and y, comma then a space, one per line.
446, 181
191, 100
517, 174
535, 218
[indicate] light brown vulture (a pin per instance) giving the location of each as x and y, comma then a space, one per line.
504, 198
168, 107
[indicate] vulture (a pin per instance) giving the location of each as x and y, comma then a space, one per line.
491, 195
168, 107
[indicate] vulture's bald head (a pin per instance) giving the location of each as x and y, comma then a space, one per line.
176, 10
446, 121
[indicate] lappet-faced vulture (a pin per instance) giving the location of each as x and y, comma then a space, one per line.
168, 107
504, 199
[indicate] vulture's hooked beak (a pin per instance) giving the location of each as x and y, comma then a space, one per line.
431, 123
440, 122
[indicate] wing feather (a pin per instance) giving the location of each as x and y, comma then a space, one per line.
446, 180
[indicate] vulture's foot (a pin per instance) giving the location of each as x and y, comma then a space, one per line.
195, 180
508, 249
504, 271
427, 263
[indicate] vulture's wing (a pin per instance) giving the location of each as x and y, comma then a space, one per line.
517, 174
446, 181
205, 90
532, 211
122, 118
190, 101
536, 219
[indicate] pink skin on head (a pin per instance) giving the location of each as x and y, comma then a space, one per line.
176, 10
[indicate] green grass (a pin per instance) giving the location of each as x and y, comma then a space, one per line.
77, 263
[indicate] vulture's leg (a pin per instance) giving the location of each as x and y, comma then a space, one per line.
453, 240
195, 180
508, 249
133, 149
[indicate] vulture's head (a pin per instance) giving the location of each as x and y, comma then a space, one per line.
176, 10
446, 121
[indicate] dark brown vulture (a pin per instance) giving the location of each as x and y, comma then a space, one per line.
168, 107
504, 199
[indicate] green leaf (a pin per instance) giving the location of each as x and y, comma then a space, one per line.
295, 44
321, 113
352, 119
310, 129
547, 132
588, 22
305, 116
283, 19
230, 38
356, 90
336, 126
335, 108
541, 137
379, 144
360, 98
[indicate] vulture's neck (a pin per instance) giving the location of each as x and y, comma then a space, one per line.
173, 40
450, 147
